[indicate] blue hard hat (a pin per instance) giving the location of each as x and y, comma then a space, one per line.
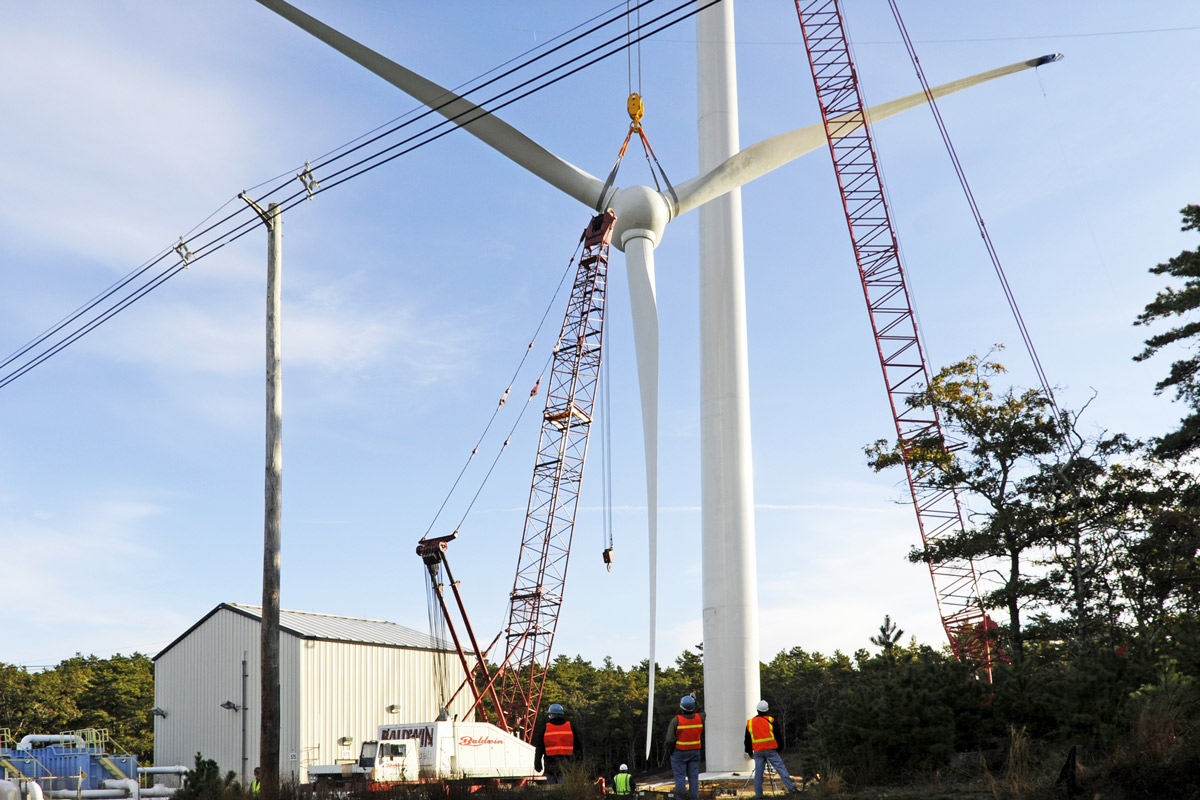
555, 710
687, 703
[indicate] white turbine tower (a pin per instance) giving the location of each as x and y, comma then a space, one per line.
730, 601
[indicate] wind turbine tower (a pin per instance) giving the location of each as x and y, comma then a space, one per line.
730, 578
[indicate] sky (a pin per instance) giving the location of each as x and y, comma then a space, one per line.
131, 463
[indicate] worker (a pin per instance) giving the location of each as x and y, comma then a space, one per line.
623, 782
256, 784
684, 734
762, 742
556, 744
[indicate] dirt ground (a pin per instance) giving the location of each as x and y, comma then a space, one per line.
661, 785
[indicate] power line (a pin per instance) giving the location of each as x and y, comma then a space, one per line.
229, 229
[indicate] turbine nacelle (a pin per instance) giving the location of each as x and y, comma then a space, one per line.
641, 212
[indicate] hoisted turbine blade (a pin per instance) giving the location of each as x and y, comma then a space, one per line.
639, 264
483, 125
769, 154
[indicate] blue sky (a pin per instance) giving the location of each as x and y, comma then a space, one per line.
131, 464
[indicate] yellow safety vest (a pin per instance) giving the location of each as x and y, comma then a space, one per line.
622, 782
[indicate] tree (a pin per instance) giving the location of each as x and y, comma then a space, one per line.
1157, 562
114, 694
1092, 504
1184, 376
900, 713
1005, 439
799, 685
204, 782
888, 635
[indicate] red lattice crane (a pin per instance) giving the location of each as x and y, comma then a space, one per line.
515, 688
889, 305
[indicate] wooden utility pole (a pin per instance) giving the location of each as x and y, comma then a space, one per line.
268, 749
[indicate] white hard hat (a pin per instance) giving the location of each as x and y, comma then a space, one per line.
623, 768
762, 706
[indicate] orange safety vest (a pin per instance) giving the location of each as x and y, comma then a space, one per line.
688, 732
559, 739
760, 733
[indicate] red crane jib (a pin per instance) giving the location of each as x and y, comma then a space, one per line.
890, 309
515, 689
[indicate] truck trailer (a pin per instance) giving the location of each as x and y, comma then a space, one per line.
477, 752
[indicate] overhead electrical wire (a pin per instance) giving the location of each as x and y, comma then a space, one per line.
220, 233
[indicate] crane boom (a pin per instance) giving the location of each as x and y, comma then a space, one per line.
889, 305
554, 495
515, 687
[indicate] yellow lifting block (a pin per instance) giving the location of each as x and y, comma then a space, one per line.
636, 109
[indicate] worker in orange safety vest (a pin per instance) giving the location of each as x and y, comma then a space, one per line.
685, 733
556, 744
762, 742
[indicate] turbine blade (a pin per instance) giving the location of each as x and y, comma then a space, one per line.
487, 127
639, 263
769, 154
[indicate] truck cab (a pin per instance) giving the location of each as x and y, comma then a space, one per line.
385, 762
390, 761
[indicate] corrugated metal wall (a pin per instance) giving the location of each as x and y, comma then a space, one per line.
204, 670
348, 688
328, 690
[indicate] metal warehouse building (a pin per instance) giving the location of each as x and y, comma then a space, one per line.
339, 679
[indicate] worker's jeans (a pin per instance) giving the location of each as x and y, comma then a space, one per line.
761, 759
686, 766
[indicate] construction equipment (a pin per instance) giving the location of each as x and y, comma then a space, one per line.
514, 690
889, 306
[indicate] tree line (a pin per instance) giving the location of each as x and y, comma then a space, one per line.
114, 694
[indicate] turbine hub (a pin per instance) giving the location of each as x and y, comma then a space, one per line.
641, 211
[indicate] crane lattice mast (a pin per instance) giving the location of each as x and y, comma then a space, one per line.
889, 305
515, 687
554, 496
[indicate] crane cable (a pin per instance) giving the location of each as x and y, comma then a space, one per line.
606, 459
500, 404
1059, 418
629, 50
1071, 443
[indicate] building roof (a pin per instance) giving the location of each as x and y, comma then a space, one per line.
328, 628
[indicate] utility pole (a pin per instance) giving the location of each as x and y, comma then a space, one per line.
268, 749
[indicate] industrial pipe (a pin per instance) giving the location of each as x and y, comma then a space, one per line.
128, 784
175, 770
9, 791
105, 794
32, 790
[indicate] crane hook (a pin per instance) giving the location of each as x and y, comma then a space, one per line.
635, 108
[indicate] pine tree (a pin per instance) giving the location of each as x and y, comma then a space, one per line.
1184, 376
